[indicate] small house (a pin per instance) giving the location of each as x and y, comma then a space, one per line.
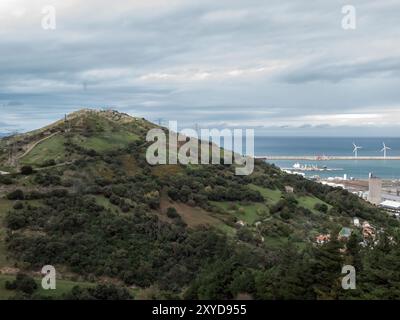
368, 231
289, 189
322, 238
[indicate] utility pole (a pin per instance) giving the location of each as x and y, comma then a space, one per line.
12, 159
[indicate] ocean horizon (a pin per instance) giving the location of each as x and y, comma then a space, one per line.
334, 146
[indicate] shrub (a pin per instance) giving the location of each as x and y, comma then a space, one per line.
26, 170
16, 195
18, 205
10, 285
48, 163
285, 214
22, 283
172, 213
321, 207
5, 180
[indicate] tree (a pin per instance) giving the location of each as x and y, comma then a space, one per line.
321, 207
172, 213
23, 283
289, 278
16, 195
326, 269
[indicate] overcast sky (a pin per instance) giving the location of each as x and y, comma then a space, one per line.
282, 67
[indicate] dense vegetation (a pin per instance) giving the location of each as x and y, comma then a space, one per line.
194, 232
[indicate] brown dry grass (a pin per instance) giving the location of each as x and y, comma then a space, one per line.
192, 216
166, 170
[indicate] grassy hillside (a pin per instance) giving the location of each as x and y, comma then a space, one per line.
5, 206
95, 208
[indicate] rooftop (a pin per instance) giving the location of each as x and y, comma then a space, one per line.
390, 204
345, 232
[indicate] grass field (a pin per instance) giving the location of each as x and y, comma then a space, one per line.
103, 201
309, 202
53, 148
106, 141
271, 196
249, 213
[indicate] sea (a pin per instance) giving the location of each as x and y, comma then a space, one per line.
334, 146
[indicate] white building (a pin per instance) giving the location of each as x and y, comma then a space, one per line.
356, 222
391, 206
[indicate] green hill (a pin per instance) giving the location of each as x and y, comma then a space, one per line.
89, 130
95, 209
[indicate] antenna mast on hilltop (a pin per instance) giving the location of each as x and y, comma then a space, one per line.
67, 124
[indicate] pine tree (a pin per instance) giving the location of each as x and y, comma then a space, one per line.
326, 269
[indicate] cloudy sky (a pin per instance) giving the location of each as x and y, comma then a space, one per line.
282, 67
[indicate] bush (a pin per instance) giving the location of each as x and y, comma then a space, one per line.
172, 213
285, 214
22, 283
6, 180
321, 207
16, 195
10, 285
18, 205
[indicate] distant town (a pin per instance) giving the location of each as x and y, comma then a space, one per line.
382, 193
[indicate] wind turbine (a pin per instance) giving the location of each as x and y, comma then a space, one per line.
384, 149
355, 150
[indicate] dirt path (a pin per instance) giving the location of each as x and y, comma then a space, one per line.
56, 165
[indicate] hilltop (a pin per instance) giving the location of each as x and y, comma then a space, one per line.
82, 197
36, 148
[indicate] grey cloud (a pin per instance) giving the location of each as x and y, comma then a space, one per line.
50, 73
389, 67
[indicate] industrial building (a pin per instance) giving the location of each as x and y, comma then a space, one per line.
391, 206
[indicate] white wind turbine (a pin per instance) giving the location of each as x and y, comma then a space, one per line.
384, 149
355, 150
